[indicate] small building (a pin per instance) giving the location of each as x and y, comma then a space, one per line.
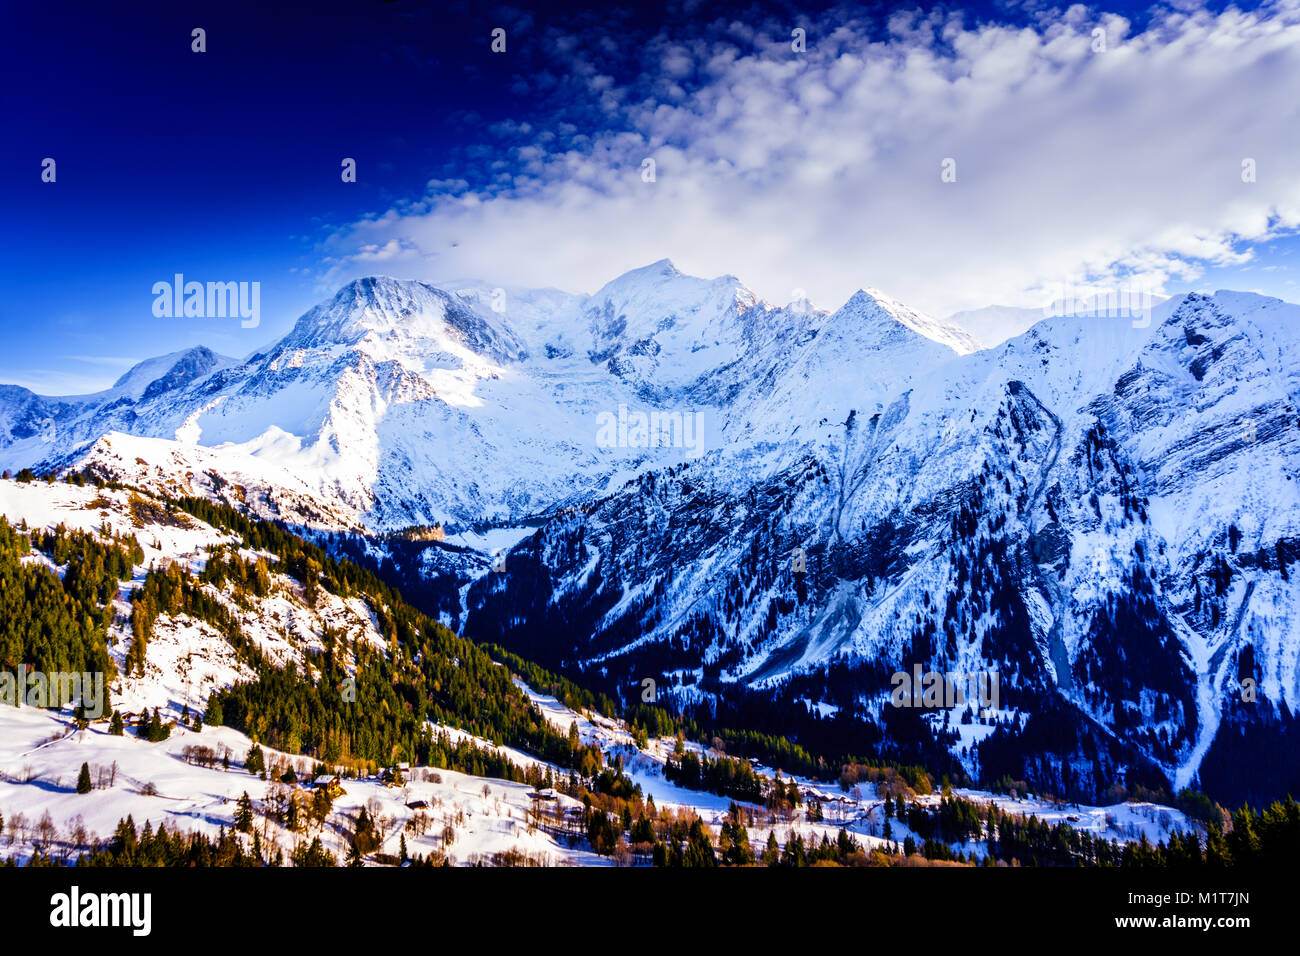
331, 785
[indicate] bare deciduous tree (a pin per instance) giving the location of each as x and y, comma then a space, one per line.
77, 834
46, 832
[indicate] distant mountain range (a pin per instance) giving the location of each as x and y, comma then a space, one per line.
770, 511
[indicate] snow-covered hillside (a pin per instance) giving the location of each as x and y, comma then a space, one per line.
467, 819
194, 779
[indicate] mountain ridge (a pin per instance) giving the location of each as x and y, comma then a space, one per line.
1101, 509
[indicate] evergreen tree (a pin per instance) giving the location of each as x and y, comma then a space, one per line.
699, 850
83, 779
244, 814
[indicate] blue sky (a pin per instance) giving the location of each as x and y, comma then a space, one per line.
814, 171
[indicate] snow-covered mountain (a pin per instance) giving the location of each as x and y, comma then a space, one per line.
1104, 514
398, 403
774, 509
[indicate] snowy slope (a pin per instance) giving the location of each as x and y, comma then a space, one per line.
467, 818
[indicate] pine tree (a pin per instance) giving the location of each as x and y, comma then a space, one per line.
845, 845
152, 727
699, 850
83, 779
244, 814
115, 725
795, 854
659, 855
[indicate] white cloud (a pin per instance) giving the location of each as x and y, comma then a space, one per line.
374, 252
821, 170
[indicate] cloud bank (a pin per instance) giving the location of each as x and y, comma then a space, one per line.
1084, 152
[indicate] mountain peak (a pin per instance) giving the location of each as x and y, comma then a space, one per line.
644, 277
413, 317
863, 298
376, 286
893, 316
369, 304
162, 373
663, 267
